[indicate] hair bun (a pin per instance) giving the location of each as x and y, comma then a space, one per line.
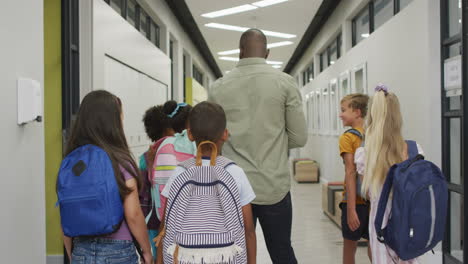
169, 107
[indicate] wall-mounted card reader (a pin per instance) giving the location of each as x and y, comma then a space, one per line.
29, 101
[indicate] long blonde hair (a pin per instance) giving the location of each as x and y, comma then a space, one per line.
384, 143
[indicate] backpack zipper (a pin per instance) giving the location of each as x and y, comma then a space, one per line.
433, 215
81, 198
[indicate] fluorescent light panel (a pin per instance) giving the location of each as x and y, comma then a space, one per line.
276, 66
242, 29
229, 11
237, 59
272, 45
268, 2
229, 52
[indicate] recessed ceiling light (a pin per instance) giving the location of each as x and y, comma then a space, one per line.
229, 11
365, 35
268, 2
229, 52
229, 58
237, 59
274, 62
242, 29
279, 44
272, 45
276, 66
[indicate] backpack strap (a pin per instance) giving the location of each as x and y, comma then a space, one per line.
386, 190
412, 149
354, 132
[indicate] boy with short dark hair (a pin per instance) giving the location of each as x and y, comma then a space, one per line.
355, 210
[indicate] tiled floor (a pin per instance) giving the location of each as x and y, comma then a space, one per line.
315, 238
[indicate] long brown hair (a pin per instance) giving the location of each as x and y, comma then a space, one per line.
99, 122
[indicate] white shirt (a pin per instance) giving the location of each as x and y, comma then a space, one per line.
246, 193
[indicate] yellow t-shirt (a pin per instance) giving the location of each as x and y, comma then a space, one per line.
349, 142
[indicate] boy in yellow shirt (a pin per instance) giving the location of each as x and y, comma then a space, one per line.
355, 210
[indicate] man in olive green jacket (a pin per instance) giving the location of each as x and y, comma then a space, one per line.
265, 119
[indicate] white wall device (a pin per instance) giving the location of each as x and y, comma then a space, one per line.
29, 101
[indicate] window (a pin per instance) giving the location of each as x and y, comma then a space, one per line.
197, 75
144, 25
131, 12
339, 44
404, 3
454, 17
361, 26
310, 72
383, 10
332, 53
323, 61
155, 34
117, 5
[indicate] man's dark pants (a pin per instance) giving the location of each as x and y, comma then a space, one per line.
276, 223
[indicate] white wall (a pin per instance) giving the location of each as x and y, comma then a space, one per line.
177, 33
22, 218
128, 65
404, 53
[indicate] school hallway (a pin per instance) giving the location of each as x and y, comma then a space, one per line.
315, 238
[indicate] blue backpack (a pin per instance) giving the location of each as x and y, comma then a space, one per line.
419, 206
88, 194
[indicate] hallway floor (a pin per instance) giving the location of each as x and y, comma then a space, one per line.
316, 239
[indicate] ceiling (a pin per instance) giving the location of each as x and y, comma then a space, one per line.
291, 17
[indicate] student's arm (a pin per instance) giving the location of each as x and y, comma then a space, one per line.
295, 119
136, 220
159, 244
350, 169
250, 237
67, 241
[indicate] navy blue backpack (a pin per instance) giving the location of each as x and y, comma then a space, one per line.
88, 194
419, 206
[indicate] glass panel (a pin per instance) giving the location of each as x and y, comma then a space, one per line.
143, 22
333, 53
359, 81
155, 34
344, 87
361, 25
310, 72
319, 111
116, 5
455, 151
404, 3
455, 49
454, 17
325, 110
304, 78
455, 103
339, 43
383, 10
131, 12
324, 59
333, 107
456, 225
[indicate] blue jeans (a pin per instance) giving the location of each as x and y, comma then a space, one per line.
103, 251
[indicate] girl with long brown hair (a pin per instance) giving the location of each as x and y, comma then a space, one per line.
99, 122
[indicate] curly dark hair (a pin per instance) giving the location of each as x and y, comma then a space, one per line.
179, 120
156, 122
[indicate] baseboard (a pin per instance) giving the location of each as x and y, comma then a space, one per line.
54, 259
